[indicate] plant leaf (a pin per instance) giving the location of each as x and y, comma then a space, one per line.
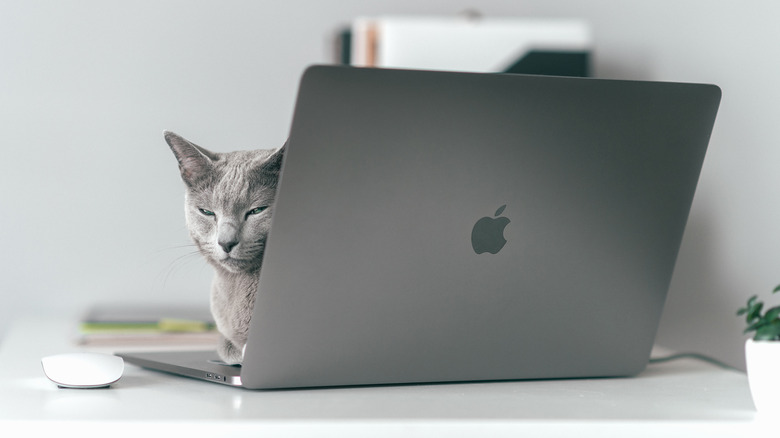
772, 314
500, 210
755, 311
777, 288
755, 326
750, 302
768, 332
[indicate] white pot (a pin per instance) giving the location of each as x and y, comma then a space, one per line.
763, 369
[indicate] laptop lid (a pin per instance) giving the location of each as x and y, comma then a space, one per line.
438, 226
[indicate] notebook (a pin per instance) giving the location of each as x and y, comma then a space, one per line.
450, 227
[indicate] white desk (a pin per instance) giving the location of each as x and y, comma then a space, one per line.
682, 398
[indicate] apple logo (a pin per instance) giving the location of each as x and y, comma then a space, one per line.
488, 233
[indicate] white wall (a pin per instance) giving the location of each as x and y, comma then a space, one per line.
90, 197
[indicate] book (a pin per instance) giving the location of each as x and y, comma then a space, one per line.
123, 325
558, 47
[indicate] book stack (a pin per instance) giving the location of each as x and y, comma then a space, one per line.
148, 326
559, 47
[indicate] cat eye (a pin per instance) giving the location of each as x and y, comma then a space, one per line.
205, 212
257, 210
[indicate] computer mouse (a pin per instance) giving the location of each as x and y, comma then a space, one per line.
83, 370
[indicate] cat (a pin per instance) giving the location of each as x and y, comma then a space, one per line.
228, 205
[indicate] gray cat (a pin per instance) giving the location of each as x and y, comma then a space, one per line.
228, 204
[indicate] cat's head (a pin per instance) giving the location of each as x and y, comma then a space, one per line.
228, 202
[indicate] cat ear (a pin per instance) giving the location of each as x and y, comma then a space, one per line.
195, 162
274, 162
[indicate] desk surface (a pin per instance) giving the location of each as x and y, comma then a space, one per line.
686, 396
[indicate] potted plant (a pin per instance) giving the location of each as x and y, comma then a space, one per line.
762, 353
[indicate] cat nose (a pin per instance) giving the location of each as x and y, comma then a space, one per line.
228, 246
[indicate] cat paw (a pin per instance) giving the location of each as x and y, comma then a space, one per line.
229, 353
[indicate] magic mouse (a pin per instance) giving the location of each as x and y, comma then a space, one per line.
83, 370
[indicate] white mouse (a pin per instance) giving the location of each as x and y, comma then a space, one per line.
83, 370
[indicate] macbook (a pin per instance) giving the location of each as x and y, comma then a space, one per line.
450, 227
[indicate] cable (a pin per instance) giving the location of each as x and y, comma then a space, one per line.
698, 356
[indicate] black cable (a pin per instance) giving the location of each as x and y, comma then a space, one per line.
698, 356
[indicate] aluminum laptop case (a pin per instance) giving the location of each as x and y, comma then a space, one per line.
378, 269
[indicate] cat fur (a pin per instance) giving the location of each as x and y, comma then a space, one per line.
228, 206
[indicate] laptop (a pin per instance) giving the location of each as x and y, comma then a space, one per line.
450, 227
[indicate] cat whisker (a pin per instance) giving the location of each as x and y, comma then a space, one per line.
179, 262
174, 247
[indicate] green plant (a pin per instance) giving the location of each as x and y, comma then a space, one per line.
766, 326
